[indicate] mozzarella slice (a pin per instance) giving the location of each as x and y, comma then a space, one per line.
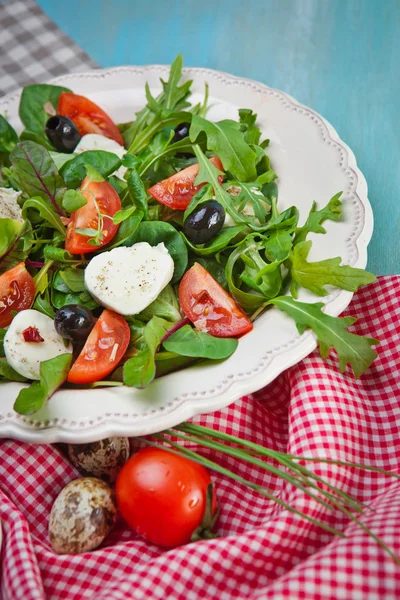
94, 141
25, 357
9, 207
127, 280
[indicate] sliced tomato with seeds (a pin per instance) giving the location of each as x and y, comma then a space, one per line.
178, 190
210, 308
87, 116
17, 292
101, 198
103, 350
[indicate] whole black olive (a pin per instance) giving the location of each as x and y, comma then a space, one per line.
62, 133
74, 322
204, 222
181, 132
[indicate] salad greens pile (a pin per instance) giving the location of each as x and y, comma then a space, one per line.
260, 258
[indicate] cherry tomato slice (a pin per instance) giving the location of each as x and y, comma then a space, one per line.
87, 116
162, 496
103, 350
108, 203
17, 292
178, 190
210, 308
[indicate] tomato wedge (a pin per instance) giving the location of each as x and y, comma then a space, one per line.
210, 308
178, 190
17, 292
103, 350
102, 197
87, 116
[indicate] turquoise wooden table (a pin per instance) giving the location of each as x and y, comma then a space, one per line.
341, 57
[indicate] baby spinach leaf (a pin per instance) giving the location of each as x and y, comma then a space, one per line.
9, 231
331, 332
140, 370
60, 299
53, 373
36, 173
227, 140
221, 240
315, 276
168, 362
18, 249
74, 279
74, 171
31, 107
190, 342
165, 306
31, 136
43, 305
332, 212
58, 254
155, 232
72, 200
2, 334
126, 231
123, 214
137, 192
46, 212
60, 159
8, 373
8, 137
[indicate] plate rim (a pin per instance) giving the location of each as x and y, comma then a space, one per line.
87, 430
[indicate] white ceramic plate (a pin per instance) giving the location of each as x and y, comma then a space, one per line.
312, 164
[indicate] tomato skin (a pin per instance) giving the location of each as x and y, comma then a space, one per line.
205, 302
94, 362
17, 292
162, 496
178, 190
87, 116
87, 216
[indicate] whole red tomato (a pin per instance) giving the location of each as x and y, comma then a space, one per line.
163, 497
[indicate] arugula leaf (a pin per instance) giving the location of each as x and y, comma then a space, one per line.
36, 173
18, 247
221, 240
41, 278
8, 137
72, 200
140, 370
45, 211
53, 373
31, 106
227, 140
74, 171
331, 333
265, 278
137, 192
127, 230
191, 342
248, 125
143, 139
173, 93
155, 232
58, 254
277, 244
332, 212
315, 276
8, 373
123, 214
165, 306
247, 196
249, 301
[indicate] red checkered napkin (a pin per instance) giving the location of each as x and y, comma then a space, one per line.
263, 551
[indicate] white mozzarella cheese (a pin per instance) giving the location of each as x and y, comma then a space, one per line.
25, 357
127, 280
94, 141
9, 207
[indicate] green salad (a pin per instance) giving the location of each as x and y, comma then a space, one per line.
131, 251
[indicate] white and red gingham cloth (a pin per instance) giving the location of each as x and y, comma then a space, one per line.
264, 551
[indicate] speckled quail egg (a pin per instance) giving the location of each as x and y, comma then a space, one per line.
102, 459
82, 515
